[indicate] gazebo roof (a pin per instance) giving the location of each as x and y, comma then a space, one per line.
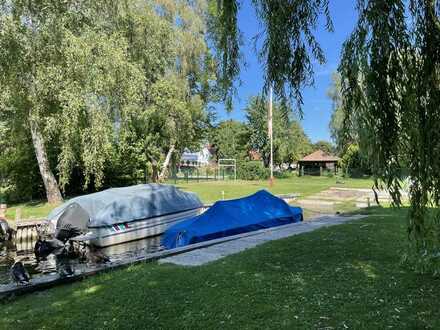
320, 156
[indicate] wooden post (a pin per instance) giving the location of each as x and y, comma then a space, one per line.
3, 208
17, 215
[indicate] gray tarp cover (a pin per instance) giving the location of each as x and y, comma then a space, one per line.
127, 204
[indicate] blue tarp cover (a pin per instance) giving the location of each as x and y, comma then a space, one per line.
226, 218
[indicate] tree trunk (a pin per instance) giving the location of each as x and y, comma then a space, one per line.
166, 163
50, 183
154, 174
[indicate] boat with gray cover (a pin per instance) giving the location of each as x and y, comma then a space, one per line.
119, 215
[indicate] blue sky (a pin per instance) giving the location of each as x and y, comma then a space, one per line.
317, 106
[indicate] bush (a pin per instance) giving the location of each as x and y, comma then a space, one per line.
353, 163
253, 170
285, 174
329, 173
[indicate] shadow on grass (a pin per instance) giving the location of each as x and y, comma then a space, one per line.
343, 276
380, 211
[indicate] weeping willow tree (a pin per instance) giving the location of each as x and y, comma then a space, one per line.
289, 46
390, 71
104, 88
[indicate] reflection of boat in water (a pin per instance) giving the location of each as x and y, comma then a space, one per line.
121, 215
133, 248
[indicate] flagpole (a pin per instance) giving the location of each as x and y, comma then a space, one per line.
270, 131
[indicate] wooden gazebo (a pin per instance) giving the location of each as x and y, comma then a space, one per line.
317, 162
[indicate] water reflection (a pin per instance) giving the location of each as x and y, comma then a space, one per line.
64, 263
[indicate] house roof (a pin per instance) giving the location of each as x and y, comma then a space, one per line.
320, 156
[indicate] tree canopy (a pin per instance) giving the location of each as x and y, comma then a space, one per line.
390, 72
289, 140
229, 139
390, 85
323, 145
104, 83
289, 46
342, 136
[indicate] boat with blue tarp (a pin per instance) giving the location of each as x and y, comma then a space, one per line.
226, 218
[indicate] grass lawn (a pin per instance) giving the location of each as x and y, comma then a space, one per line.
347, 276
30, 210
211, 191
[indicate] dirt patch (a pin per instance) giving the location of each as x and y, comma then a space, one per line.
340, 200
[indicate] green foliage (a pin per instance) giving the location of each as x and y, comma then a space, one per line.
19, 175
324, 146
288, 48
229, 140
252, 170
112, 86
343, 130
390, 72
289, 140
226, 37
353, 163
285, 174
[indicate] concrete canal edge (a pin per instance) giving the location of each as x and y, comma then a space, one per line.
243, 242
51, 280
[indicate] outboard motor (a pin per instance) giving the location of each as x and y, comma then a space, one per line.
72, 222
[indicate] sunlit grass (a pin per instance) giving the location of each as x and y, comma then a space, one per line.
346, 276
211, 191
30, 210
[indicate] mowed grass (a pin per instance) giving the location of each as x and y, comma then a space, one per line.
30, 210
347, 276
211, 191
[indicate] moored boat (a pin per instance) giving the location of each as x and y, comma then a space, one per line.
232, 217
119, 215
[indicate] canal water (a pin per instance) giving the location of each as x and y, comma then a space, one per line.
60, 262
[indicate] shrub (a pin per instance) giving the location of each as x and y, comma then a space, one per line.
285, 174
253, 170
354, 163
329, 174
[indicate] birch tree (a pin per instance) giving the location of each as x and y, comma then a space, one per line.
83, 75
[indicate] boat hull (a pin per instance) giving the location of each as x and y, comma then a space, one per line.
135, 230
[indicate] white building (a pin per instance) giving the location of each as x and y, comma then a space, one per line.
199, 158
